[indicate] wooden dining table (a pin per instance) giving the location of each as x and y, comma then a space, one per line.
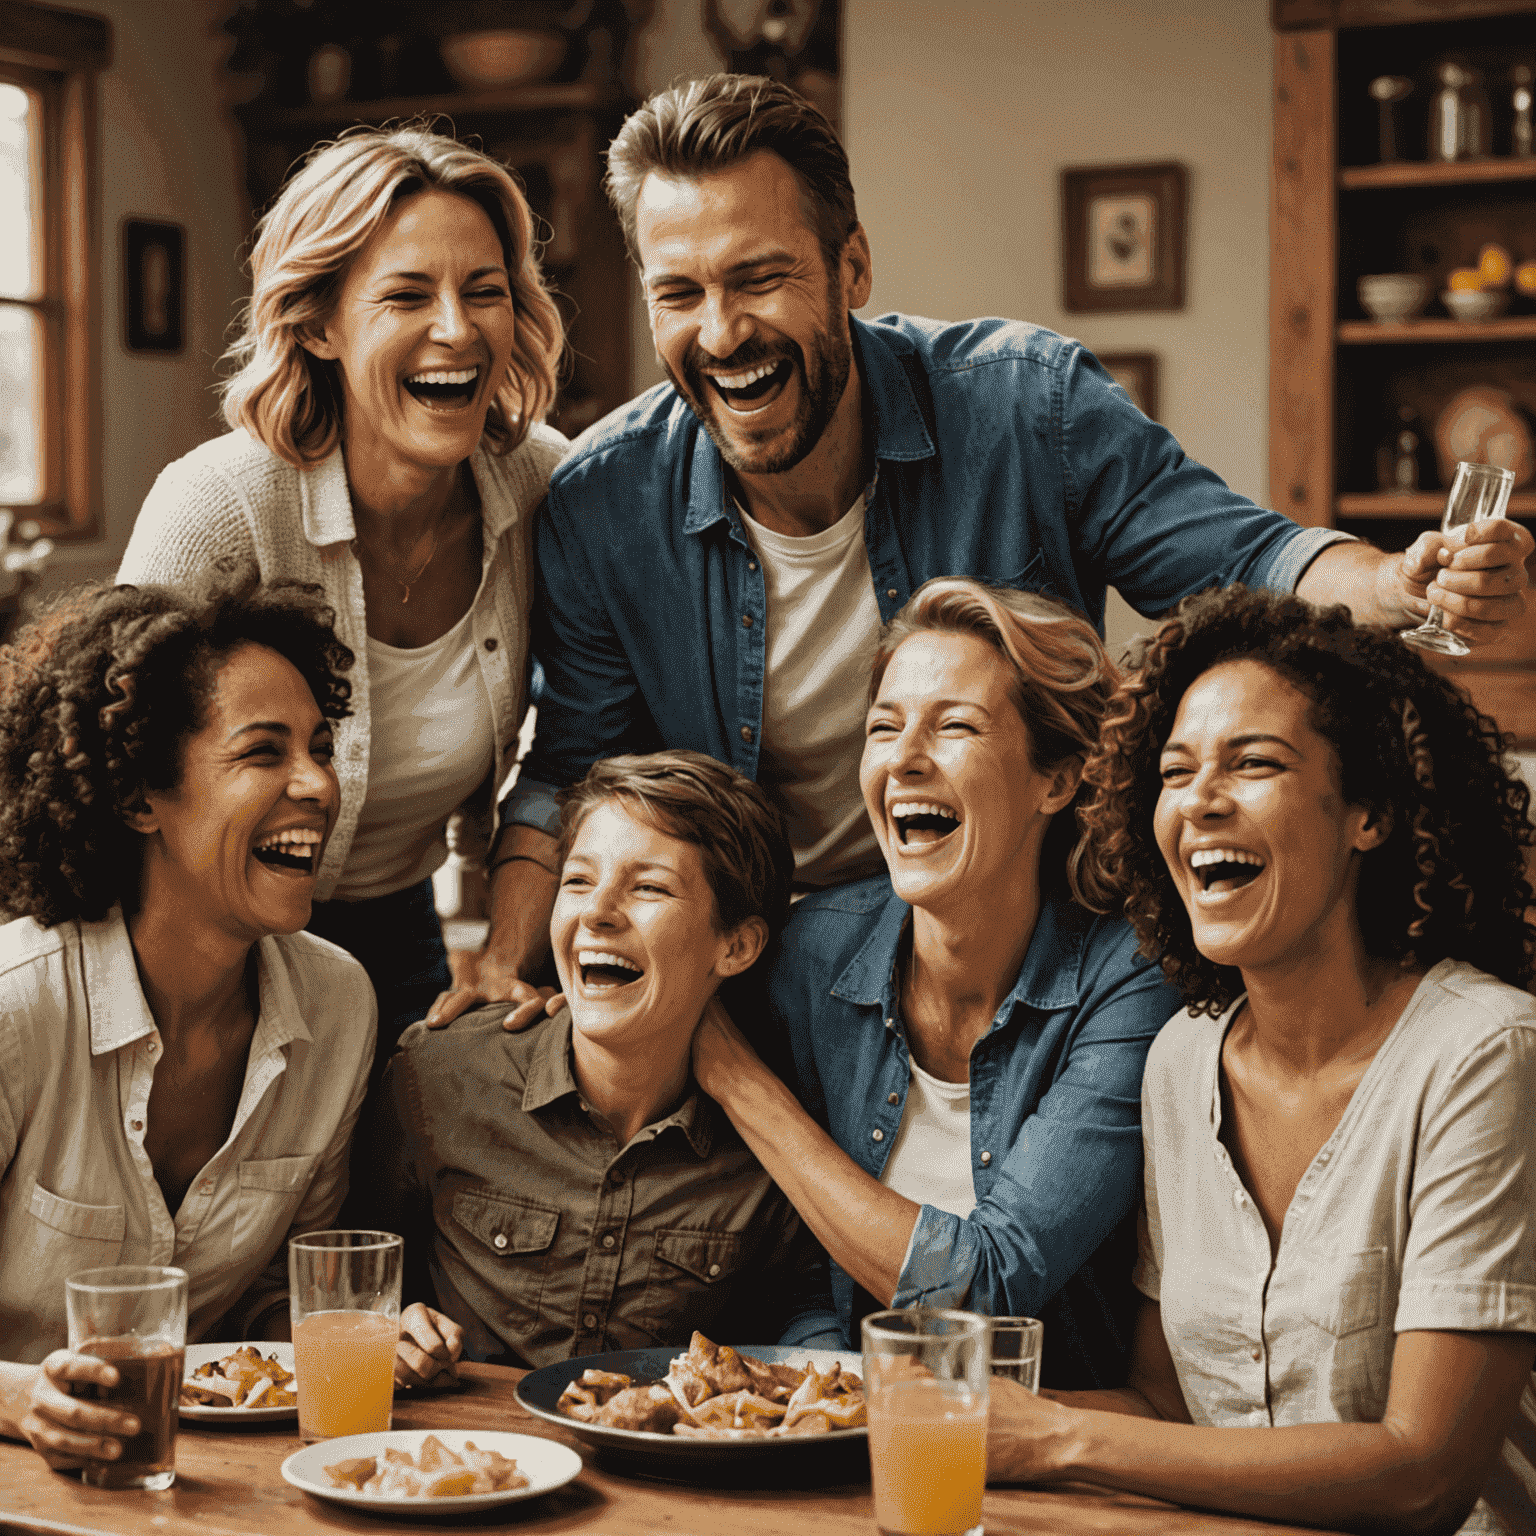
228, 1484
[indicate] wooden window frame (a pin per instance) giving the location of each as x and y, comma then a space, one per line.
58, 54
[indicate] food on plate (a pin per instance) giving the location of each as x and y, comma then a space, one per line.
714, 1393
240, 1380
435, 1473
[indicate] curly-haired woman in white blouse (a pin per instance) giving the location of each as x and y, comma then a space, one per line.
1319, 837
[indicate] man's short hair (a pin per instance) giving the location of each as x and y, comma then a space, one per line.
737, 829
708, 125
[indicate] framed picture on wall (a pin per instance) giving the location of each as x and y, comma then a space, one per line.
154, 285
1122, 237
1136, 374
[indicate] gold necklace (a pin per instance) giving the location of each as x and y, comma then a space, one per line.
429, 538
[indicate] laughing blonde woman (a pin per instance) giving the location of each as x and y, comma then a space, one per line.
393, 371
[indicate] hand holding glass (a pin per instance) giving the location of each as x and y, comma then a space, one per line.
344, 1301
136, 1317
926, 1382
1479, 492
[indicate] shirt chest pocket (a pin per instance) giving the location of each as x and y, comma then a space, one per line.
1346, 1297
73, 1234
692, 1280
507, 1242
271, 1190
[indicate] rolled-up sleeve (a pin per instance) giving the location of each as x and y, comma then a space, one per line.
1072, 1175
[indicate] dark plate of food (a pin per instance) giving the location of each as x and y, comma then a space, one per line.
708, 1405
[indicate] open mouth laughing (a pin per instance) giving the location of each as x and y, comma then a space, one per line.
604, 971
751, 389
1221, 871
295, 849
443, 389
922, 823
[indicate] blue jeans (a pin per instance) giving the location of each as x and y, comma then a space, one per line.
399, 941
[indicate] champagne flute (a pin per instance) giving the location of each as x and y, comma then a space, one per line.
1479, 492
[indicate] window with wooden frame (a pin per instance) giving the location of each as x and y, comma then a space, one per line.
50, 414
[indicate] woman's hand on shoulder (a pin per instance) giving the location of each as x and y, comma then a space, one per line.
67, 1431
720, 1051
429, 1348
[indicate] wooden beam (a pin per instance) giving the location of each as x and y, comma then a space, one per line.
50, 38
1302, 223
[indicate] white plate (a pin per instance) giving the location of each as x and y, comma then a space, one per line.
546, 1463
204, 1354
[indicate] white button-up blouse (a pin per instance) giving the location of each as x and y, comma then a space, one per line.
1416, 1213
78, 1052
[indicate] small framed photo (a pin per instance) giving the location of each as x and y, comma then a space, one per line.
154, 285
1136, 374
1123, 237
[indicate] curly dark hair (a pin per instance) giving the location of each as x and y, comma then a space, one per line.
97, 699
1449, 880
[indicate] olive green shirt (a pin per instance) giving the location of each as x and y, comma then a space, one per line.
528, 1224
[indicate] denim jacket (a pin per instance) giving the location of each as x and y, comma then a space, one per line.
1055, 1114
1002, 451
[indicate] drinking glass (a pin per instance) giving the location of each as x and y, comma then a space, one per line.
1016, 1346
344, 1300
1479, 492
136, 1317
926, 1375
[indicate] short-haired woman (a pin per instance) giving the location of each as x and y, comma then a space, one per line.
180, 1066
394, 368
1320, 838
568, 1190
968, 1040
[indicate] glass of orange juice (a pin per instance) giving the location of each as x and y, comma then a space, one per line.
344, 1300
926, 1372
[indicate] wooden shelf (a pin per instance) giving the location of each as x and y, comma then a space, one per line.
1356, 333
1459, 173
1425, 504
574, 96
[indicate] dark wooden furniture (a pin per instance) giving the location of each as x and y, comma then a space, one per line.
227, 1484
1336, 214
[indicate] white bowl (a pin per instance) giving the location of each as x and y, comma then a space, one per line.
1476, 304
502, 56
1392, 296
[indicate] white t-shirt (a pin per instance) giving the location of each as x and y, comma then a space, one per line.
823, 625
1415, 1213
930, 1160
432, 741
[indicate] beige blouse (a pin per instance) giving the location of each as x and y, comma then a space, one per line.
1417, 1213
78, 1050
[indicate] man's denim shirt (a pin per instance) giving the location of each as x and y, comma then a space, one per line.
1055, 1114
1002, 452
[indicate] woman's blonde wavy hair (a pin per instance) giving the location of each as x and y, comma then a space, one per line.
1061, 680
306, 242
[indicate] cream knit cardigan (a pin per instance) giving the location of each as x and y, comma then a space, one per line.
233, 496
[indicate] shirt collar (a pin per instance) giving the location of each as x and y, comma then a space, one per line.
326, 502
120, 1014
550, 1078
900, 432
1049, 978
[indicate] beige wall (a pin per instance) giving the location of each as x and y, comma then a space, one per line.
959, 117
167, 152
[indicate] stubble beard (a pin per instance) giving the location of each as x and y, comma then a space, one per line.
823, 378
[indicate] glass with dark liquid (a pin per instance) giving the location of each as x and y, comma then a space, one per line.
136, 1317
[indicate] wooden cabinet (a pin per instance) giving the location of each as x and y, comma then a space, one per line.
1337, 377
554, 135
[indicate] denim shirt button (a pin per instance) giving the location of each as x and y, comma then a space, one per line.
746, 734
746, 621
893, 1098
890, 592
877, 1135
986, 1157
751, 565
